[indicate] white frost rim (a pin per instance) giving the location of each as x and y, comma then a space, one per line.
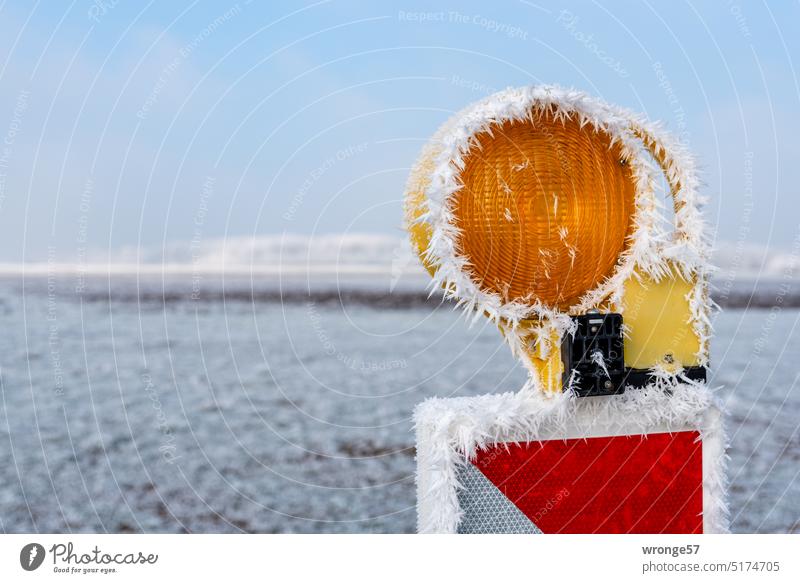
451, 431
651, 250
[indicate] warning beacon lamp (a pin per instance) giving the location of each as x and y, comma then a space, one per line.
541, 209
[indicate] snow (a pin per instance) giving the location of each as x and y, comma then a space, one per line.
350, 254
228, 415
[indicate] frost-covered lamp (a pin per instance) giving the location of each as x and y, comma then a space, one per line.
538, 208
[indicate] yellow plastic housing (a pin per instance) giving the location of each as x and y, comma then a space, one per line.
657, 319
544, 357
419, 232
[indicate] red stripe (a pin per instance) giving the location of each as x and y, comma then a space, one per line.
638, 484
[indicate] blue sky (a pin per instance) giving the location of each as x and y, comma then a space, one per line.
126, 123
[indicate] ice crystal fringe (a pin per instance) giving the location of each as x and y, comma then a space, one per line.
597, 358
450, 432
651, 250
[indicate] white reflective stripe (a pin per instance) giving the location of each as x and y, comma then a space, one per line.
486, 510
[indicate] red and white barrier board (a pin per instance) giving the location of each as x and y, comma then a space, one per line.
648, 461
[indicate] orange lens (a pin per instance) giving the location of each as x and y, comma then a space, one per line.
546, 210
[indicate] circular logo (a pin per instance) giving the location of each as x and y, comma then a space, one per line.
31, 556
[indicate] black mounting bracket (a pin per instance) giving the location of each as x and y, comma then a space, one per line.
594, 358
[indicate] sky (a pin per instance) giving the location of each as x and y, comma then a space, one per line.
127, 124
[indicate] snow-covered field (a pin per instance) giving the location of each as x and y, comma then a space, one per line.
227, 415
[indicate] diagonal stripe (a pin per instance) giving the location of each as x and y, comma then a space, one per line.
485, 509
617, 484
